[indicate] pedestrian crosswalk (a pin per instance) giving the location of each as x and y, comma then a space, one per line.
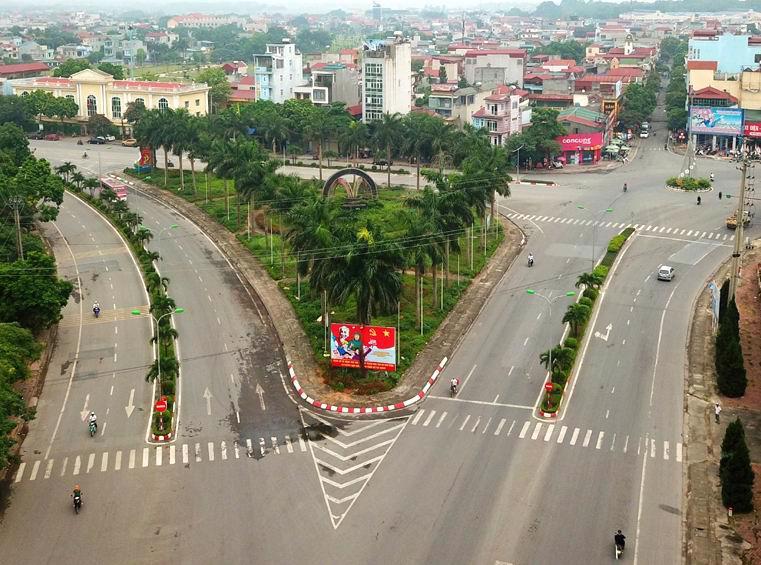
551, 433
642, 228
157, 456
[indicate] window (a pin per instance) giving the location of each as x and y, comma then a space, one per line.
198, 102
25, 93
163, 104
116, 107
70, 96
491, 125
187, 104
140, 101
92, 106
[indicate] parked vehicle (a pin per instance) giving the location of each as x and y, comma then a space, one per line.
644, 134
35, 135
109, 138
129, 142
97, 140
52, 137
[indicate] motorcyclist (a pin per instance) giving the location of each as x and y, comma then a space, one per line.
84, 155
711, 176
93, 420
530, 259
96, 308
453, 384
625, 187
620, 540
698, 200
77, 493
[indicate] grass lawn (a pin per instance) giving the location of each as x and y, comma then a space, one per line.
273, 255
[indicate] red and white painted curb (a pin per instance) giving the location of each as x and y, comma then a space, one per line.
366, 409
544, 414
167, 436
549, 184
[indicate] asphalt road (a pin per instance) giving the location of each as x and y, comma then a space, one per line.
475, 479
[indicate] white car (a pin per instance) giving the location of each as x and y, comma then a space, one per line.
665, 273
644, 134
109, 138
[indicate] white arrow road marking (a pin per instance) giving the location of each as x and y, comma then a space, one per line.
207, 395
85, 410
260, 394
131, 404
607, 334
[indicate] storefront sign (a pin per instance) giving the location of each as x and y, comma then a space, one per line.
580, 141
752, 129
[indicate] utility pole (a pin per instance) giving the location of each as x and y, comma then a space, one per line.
740, 213
16, 203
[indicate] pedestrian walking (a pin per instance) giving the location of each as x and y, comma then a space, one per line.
719, 195
717, 411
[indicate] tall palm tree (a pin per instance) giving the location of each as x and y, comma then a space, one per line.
180, 139
77, 179
318, 128
91, 183
386, 133
352, 137
487, 171
441, 134
276, 131
66, 169
419, 238
223, 162
576, 315
416, 139
250, 179
590, 280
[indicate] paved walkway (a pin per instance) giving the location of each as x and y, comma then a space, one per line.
293, 339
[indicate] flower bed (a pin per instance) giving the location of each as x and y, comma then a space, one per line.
688, 183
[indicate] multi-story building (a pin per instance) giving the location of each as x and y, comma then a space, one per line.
335, 82
505, 112
457, 105
278, 71
33, 51
96, 92
386, 78
204, 21
732, 53
495, 66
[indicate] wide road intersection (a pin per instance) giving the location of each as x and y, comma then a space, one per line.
474, 479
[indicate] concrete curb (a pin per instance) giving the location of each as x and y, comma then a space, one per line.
366, 409
547, 183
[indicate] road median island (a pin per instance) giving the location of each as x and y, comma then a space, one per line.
161, 306
265, 267
560, 362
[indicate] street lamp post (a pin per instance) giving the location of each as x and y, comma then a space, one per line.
518, 163
601, 213
549, 302
137, 312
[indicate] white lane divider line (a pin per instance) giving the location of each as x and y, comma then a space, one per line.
262, 446
509, 431
417, 417
211, 450
146, 456
49, 469
104, 462
679, 452
574, 436
499, 426
275, 445
486, 426
626, 444
90, 462
35, 469
465, 422
537, 429
524, 429
441, 419
172, 451
63, 467
77, 465
666, 452
478, 421
599, 440
288, 445
131, 463
431, 414
184, 453
223, 450
159, 456
561, 435
587, 438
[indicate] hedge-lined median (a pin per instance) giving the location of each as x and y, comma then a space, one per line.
129, 225
577, 316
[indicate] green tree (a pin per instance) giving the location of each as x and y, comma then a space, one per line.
736, 473
40, 189
442, 74
542, 132
99, 125
70, 67
353, 137
385, 134
116, 71
215, 78
488, 170
590, 280
30, 292
14, 145
576, 315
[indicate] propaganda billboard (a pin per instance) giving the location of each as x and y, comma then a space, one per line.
347, 341
716, 121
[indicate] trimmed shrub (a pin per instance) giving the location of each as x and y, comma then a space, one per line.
730, 369
591, 293
736, 472
571, 343
688, 183
616, 243
602, 270
586, 301
723, 297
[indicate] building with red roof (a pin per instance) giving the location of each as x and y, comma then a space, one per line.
505, 112
23, 70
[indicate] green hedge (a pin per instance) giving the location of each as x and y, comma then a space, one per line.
688, 183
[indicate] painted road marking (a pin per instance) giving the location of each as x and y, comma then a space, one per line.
223, 450
159, 456
275, 445
465, 422
249, 448
90, 462
478, 421
486, 426
35, 469
197, 452
561, 435
431, 414
666, 450
131, 464
441, 419
510, 430
146, 456
586, 438
63, 468
537, 429
574, 436
524, 429
104, 462
49, 468
499, 426
599, 440
171, 454
549, 431
417, 417
77, 465
211, 450
679, 452
184, 453
626, 444
303, 445
652, 449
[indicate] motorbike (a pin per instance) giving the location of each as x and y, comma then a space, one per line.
453, 388
530, 261
96, 311
77, 503
84, 155
619, 551
79, 142
93, 427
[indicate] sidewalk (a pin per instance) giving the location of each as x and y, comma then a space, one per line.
711, 536
294, 342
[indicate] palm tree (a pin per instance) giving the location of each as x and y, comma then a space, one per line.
154, 281
488, 169
441, 135
179, 135
418, 251
576, 315
65, 170
250, 178
290, 191
77, 179
416, 139
590, 280
276, 131
562, 358
352, 137
386, 133
318, 128
144, 235
91, 183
